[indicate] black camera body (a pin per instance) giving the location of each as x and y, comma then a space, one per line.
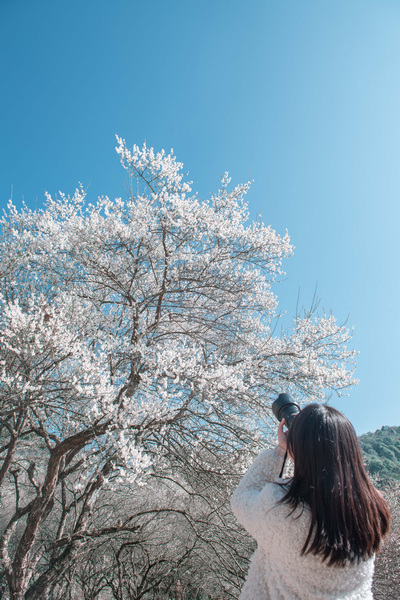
285, 408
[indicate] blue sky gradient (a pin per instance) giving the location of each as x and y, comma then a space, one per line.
303, 98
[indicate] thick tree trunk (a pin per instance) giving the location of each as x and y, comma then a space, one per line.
16, 585
18, 570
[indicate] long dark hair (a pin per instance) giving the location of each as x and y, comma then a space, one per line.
349, 517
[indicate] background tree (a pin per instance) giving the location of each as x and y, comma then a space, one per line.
387, 567
138, 358
381, 451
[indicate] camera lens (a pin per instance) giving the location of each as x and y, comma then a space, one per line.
285, 408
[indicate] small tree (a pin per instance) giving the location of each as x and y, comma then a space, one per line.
137, 342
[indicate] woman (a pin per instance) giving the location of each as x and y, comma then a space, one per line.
317, 533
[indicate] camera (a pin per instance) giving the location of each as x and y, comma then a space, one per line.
285, 408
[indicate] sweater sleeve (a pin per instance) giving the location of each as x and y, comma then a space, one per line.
254, 492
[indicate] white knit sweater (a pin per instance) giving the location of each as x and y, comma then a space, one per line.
277, 569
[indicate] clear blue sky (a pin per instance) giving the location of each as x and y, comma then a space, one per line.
303, 97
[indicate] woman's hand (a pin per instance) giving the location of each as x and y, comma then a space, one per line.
282, 436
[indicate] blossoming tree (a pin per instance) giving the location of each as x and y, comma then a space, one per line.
137, 343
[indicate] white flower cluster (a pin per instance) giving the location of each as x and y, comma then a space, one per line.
132, 318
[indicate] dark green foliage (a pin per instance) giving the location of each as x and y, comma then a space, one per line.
381, 451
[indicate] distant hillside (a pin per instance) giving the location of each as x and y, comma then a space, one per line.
381, 451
